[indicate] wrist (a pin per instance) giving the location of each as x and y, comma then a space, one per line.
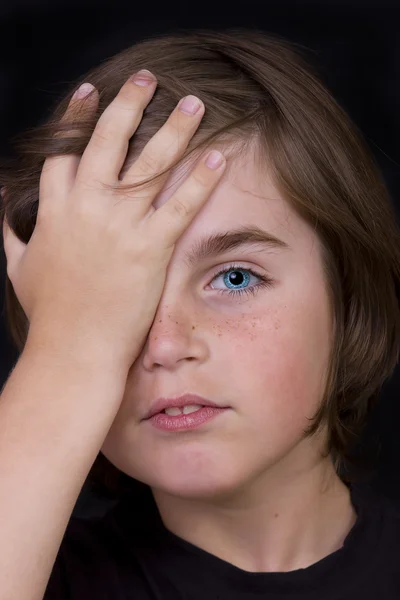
85, 350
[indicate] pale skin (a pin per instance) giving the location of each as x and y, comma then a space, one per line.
245, 487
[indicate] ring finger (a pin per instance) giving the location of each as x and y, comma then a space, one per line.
164, 148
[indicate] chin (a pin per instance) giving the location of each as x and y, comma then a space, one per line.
216, 485
192, 473
193, 489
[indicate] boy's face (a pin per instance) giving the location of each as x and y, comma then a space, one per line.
264, 355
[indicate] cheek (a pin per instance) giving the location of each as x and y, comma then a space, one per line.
280, 363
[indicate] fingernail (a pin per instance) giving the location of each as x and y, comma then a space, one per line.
83, 91
189, 105
214, 159
143, 77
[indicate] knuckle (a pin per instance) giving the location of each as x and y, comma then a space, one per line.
125, 109
159, 152
147, 163
102, 135
124, 97
181, 208
179, 122
129, 91
87, 187
173, 143
199, 178
107, 127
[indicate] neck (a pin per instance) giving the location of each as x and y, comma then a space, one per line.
276, 525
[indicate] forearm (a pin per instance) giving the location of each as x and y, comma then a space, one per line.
55, 413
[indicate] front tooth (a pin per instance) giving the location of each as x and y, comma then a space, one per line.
191, 408
173, 411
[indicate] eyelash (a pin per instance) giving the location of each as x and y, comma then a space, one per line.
266, 282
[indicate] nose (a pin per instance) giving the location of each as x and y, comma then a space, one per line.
173, 340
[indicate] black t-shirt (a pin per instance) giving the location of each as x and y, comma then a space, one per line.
126, 555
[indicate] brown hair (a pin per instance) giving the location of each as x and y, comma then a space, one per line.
259, 88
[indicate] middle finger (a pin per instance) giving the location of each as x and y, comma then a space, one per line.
165, 147
106, 151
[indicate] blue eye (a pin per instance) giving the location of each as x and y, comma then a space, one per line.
235, 275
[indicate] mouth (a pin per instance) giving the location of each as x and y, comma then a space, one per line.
184, 410
183, 405
190, 417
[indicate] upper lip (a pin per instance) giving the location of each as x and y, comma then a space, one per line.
162, 403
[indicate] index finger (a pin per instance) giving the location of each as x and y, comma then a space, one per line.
59, 171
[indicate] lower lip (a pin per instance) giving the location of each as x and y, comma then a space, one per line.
190, 421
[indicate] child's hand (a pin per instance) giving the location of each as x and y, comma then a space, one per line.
94, 269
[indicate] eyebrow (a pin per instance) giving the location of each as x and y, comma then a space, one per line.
220, 242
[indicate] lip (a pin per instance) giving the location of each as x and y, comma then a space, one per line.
183, 422
162, 403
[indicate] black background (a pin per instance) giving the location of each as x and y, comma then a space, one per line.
45, 45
